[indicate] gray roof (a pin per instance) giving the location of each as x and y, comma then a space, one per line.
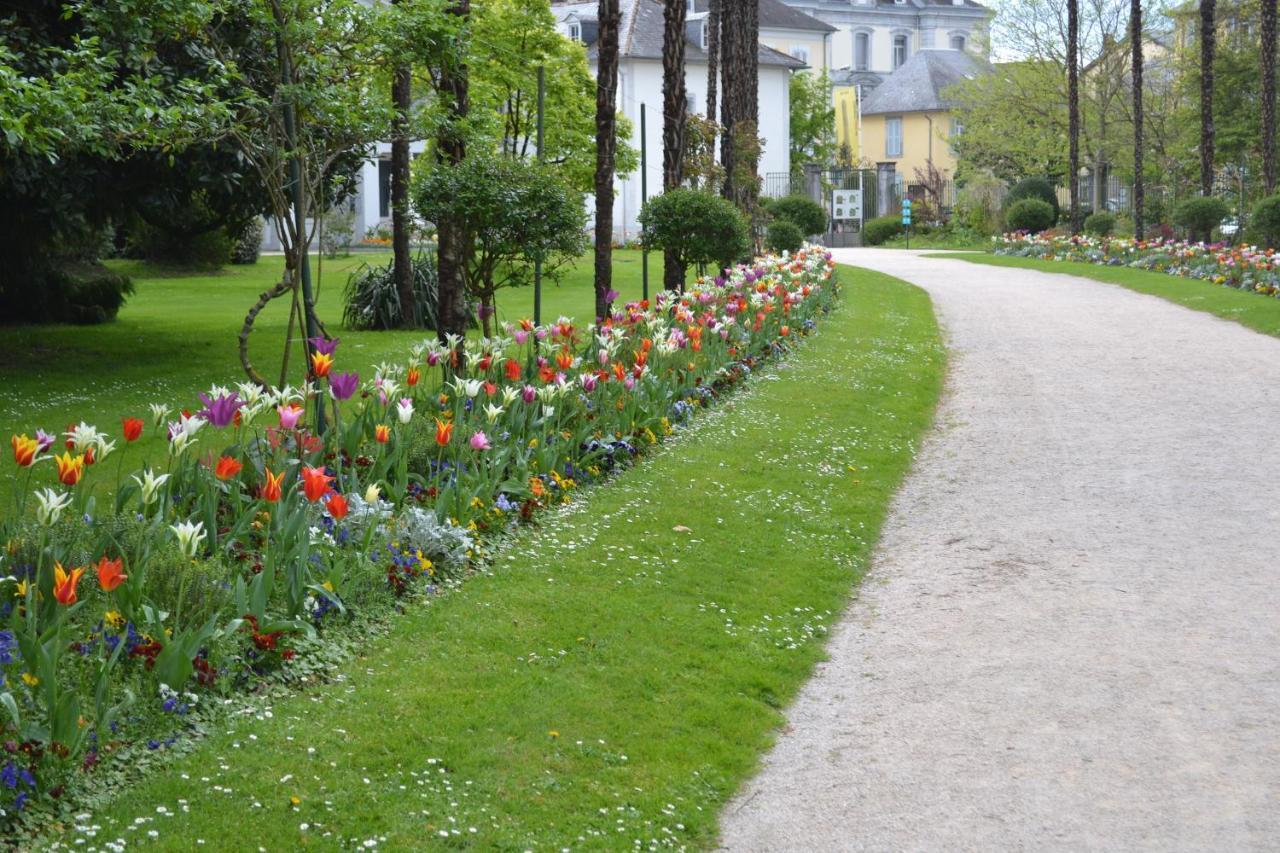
776, 15
641, 28
919, 84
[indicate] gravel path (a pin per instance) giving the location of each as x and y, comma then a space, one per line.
1070, 637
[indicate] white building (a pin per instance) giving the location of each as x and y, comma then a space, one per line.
640, 82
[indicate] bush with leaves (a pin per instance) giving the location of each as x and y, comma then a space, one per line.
697, 227
1200, 216
882, 228
1100, 224
1031, 215
1037, 188
1264, 223
784, 236
373, 302
514, 212
338, 233
802, 211
248, 243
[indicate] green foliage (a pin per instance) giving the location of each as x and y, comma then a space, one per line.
802, 211
339, 231
69, 292
877, 230
813, 122
697, 227
1040, 188
1264, 223
206, 247
784, 236
1100, 224
1029, 214
373, 302
514, 212
979, 202
1200, 216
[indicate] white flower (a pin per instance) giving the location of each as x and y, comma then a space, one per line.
404, 410
104, 447
548, 412
189, 536
82, 436
51, 506
216, 391
150, 484
510, 394
493, 412
470, 387
159, 411
372, 494
250, 392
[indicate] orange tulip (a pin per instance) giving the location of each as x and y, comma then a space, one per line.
24, 450
64, 585
337, 506
444, 432
227, 468
564, 359
315, 483
321, 363
413, 377
382, 433
512, 369
132, 429
110, 573
271, 489
70, 470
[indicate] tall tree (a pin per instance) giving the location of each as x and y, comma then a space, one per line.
402, 264
713, 57
675, 107
1269, 95
452, 251
1208, 43
608, 16
1073, 110
730, 76
1135, 43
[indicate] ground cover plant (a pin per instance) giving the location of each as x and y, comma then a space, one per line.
1245, 268
1241, 306
613, 678
216, 564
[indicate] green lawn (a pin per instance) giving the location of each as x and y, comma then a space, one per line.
177, 336
617, 675
1258, 312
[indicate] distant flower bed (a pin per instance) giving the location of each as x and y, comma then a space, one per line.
250, 538
1242, 267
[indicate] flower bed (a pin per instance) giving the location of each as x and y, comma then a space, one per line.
1242, 267
250, 542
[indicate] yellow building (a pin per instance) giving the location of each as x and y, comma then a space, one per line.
906, 123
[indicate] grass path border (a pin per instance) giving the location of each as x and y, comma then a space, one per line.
1252, 310
617, 676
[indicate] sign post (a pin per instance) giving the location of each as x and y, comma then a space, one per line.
906, 219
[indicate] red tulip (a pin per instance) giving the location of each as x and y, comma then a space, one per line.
110, 573
337, 506
227, 468
315, 483
132, 429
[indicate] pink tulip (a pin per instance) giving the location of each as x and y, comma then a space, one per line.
289, 416
521, 336
529, 394
588, 382
480, 441
603, 357
433, 358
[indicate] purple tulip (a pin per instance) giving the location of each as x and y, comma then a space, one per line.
44, 440
343, 385
588, 382
324, 346
529, 394
222, 411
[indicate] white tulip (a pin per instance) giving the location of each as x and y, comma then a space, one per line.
150, 485
189, 536
51, 505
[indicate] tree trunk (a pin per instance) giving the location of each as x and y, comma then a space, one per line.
1208, 43
713, 59
730, 75
1073, 110
1139, 190
608, 15
1269, 95
401, 97
451, 243
674, 112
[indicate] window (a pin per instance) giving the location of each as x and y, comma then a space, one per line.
691, 102
800, 53
956, 129
702, 38
893, 137
899, 51
575, 32
957, 42
862, 51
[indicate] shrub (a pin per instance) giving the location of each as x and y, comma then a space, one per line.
805, 213
784, 236
248, 243
1200, 215
1264, 224
877, 230
1100, 224
979, 202
76, 292
697, 227
372, 301
1037, 188
339, 232
1029, 214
